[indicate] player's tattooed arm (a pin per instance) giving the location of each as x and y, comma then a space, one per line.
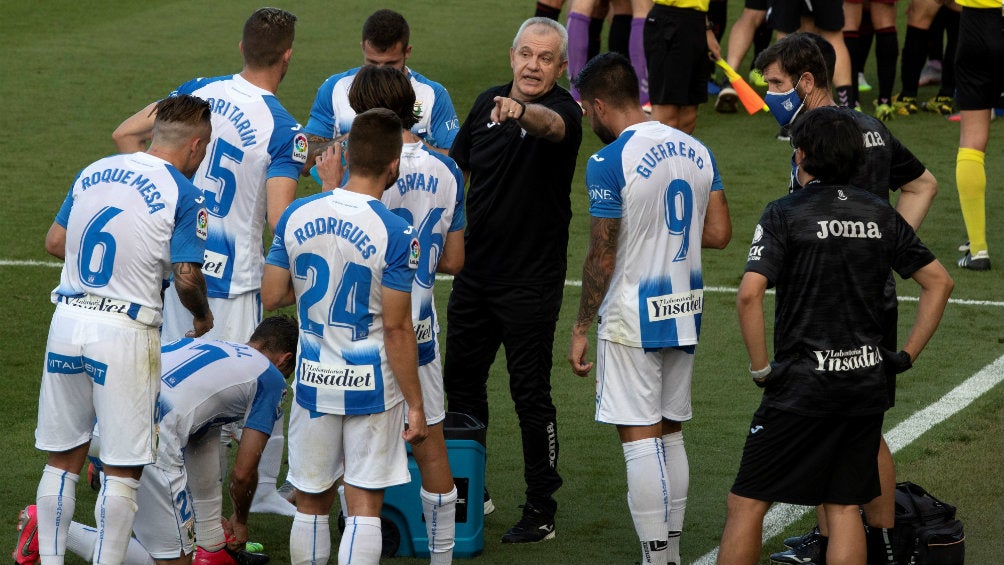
191, 287
315, 146
597, 269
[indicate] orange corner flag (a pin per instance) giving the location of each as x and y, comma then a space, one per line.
750, 99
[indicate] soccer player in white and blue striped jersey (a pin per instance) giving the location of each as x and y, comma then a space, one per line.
385, 43
127, 222
656, 199
348, 263
249, 176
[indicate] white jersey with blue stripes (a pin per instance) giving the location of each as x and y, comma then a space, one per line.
429, 195
658, 181
254, 139
127, 219
342, 248
205, 383
331, 115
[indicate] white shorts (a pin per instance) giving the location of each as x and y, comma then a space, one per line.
367, 449
165, 522
100, 367
234, 319
430, 376
639, 388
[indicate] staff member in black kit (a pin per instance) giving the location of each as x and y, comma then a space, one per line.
517, 148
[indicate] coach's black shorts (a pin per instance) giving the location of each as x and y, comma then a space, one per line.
676, 47
979, 60
786, 15
756, 5
809, 461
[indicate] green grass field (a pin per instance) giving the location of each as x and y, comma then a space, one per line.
72, 71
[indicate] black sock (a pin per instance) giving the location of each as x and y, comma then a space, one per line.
948, 63
595, 31
879, 545
718, 16
761, 39
853, 42
914, 56
886, 52
543, 10
620, 34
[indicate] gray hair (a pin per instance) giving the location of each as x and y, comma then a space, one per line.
547, 22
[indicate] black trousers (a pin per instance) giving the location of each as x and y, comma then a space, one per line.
481, 316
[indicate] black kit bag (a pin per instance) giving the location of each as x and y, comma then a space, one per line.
927, 532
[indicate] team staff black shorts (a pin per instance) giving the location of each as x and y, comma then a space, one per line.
676, 47
808, 461
786, 15
979, 59
756, 5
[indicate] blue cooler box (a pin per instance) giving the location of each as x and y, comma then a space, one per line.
403, 523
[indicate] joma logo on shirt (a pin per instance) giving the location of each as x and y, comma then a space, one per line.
848, 228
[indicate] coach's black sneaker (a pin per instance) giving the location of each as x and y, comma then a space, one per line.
978, 262
812, 552
534, 526
796, 541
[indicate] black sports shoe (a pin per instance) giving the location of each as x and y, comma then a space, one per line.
489, 505
978, 262
812, 552
534, 526
796, 541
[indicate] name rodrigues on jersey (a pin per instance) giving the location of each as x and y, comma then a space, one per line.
234, 114
848, 359
337, 377
143, 185
417, 181
848, 228
338, 227
663, 151
675, 305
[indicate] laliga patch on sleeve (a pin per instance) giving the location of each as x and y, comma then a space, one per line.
202, 224
300, 148
413, 255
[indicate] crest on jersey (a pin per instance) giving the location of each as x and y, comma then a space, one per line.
202, 224
757, 234
300, 148
417, 109
415, 250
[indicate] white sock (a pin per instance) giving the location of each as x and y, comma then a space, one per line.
54, 504
648, 496
309, 540
361, 542
266, 498
440, 512
679, 486
81, 540
114, 512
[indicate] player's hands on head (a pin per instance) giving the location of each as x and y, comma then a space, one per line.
202, 325
577, 354
416, 430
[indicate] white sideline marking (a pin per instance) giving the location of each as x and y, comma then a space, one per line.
783, 515
717, 289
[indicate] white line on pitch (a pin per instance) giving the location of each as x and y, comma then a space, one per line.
715, 289
783, 515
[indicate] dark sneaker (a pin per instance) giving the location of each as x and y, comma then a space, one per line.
978, 262
964, 247
812, 552
534, 526
795, 541
727, 102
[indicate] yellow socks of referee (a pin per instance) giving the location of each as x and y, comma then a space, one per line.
971, 179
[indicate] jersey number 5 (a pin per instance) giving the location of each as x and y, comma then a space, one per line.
219, 200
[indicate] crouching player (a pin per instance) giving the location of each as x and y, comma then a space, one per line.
205, 384
828, 249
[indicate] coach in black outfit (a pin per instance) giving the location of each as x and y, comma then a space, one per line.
518, 148
828, 249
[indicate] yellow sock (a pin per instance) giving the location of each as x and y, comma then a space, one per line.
971, 179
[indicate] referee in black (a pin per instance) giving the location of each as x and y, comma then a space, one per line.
828, 250
518, 147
